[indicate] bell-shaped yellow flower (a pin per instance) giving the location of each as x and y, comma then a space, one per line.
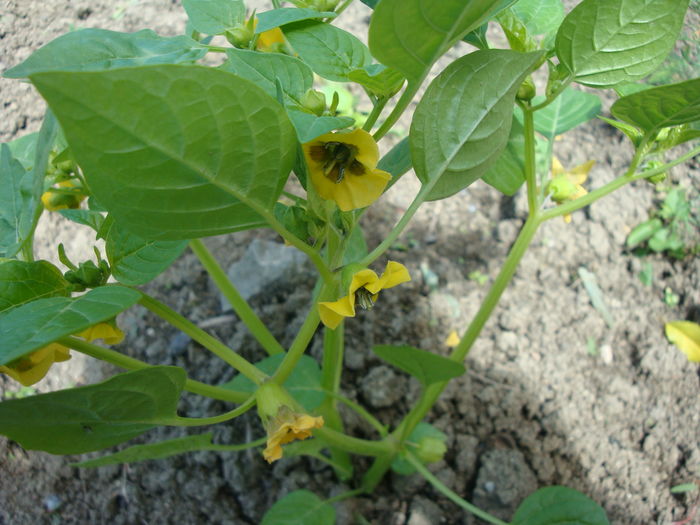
363, 291
107, 331
270, 41
343, 168
32, 368
54, 201
568, 185
286, 427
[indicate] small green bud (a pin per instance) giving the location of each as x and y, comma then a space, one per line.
431, 449
557, 75
526, 91
89, 274
659, 177
561, 188
314, 101
240, 36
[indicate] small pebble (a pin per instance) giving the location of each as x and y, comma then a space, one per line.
52, 502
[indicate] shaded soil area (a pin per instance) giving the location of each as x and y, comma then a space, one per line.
553, 393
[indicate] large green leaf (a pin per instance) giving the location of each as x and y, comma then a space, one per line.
38, 323
160, 450
539, 16
97, 416
213, 17
410, 35
661, 107
100, 49
507, 174
175, 152
397, 161
300, 507
559, 506
22, 281
569, 109
330, 51
268, 70
288, 15
610, 42
425, 366
378, 79
462, 124
15, 201
24, 149
303, 384
135, 260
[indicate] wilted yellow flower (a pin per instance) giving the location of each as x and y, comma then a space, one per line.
32, 368
107, 331
343, 168
363, 290
53, 200
286, 427
568, 185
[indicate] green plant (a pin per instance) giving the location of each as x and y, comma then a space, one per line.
166, 151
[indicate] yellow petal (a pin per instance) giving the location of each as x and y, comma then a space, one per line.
32, 368
452, 339
579, 174
111, 335
364, 278
332, 313
394, 274
267, 39
567, 218
357, 191
557, 168
686, 336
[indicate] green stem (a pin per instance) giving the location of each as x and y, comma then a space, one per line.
203, 338
218, 49
343, 6
530, 158
364, 447
129, 363
553, 96
401, 105
236, 448
447, 492
374, 114
179, 421
344, 495
301, 341
359, 410
257, 328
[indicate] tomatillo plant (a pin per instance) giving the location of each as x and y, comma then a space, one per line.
154, 151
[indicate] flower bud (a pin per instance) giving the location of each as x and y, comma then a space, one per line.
314, 101
240, 36
270, 398
526, 91
561, 188
431, 449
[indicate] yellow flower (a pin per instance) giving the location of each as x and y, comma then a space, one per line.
107, 331
31, 368
452, 339
270, 41
53, 200
343, 168
567, 185
364, 289
288, 426
686, 336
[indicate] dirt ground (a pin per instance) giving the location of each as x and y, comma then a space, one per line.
553, 394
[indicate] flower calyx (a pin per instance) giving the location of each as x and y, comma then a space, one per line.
567, 185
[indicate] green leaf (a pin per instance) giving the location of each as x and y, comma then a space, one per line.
508, 172
24, 149
381, 80
100, 49
370, 3
265, 69
410, 35
15, 202
462, 124
300, 507
660, 107
38, 323
304, 383
397, 162
213, 17
632, 133
287, 15
643, 232
425, 366
93, 219
540, 17
568, 110
331, 52
94, 417
477, 38
159, 450
609, 42
683, 488
309, 126
356, 246
559, 505
402, 466
135, 260
22, 281
175, 152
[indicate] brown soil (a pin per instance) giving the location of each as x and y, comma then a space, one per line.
536, 407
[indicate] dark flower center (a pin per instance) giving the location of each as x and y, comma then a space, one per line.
337, 158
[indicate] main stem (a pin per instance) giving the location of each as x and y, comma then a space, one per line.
257, 328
